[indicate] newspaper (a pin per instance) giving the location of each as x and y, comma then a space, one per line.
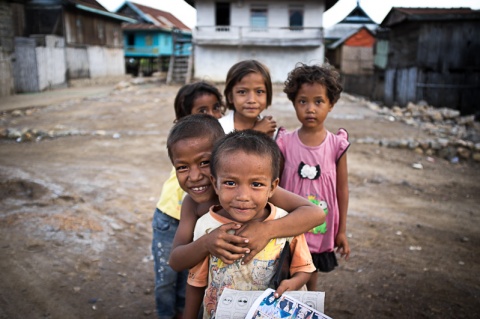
237, 304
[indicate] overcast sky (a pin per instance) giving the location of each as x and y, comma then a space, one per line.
377, 10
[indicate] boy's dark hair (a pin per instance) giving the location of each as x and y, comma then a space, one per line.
189, 93
323, 74
240, 70
194, 126
249, 141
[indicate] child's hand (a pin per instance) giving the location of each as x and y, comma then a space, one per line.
223, 244
295, 283
266, 125
257, 238
341, 243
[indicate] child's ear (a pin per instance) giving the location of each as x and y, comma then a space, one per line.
213, 180
331, 107
273, 187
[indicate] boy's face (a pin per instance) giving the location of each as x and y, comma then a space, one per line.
191, 159
244, 185
312, 104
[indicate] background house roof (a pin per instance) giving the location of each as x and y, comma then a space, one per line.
340, 41
355, 20
95, 7
328, 3
153, 19
399, 15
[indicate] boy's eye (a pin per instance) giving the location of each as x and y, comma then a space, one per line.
181, 168
241, 91
204, 163
229, 183
216, 107
203, 111
260, 91
257, 184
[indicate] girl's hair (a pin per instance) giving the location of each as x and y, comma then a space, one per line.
187, 95
240, 70
323, 74
194, 126
250, 142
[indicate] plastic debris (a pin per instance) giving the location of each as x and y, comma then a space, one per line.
417, 165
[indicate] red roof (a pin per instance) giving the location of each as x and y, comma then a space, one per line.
162, 19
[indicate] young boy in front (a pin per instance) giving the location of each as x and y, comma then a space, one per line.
244, 170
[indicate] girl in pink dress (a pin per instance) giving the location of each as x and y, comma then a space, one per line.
315, 161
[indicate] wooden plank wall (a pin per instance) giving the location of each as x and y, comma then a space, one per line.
435, 62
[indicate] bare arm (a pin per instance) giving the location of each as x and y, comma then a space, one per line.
303, 216
218, 243
341, 241
193, 301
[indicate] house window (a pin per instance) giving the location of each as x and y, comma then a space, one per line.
79, 27
101, 32
131, 39
296, 17
222, 16
148, 40
258, 19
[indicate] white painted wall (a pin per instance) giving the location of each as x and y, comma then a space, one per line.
212, 61
77, 63
51, 63
105, 61
115, 61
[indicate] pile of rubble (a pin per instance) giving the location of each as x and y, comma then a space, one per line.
454, 137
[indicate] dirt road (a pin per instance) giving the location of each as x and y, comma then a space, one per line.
77, 194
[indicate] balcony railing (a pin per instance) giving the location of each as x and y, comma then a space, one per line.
273, 36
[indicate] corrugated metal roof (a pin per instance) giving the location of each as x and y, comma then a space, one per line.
434, 11
142, 26
95, 7
161, 19
337, 43
399, 15
89, 3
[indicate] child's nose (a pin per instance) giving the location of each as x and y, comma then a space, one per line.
195, 174
242, 193
251, 97
310, 108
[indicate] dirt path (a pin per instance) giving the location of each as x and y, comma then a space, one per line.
76, 212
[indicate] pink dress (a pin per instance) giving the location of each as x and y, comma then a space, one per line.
311, 172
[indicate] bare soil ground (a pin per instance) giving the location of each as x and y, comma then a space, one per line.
76, 210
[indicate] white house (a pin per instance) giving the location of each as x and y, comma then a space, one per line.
278, 33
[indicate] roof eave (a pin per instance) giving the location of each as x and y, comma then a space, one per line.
105, 13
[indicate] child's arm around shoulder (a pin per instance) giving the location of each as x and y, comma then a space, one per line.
303, 216
218, 242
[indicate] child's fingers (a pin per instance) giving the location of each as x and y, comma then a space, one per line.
284, 286
229, 258
232, 227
